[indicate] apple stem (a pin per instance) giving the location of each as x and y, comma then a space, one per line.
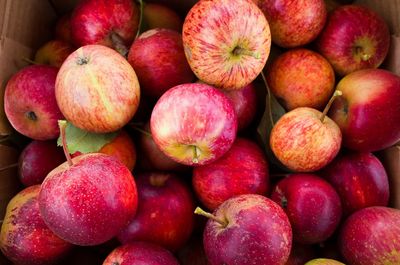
141, 7
119, 44
30, 61
269, 98
364, 56
62, 124
8, 167
336, 94
240, 51
200, 211
195, 154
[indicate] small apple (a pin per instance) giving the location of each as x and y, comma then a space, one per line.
301, 78
354, 38
37, 159
294, 23
368, 113
165, 213
30, 103
247, 229
94, 96
63, 29
324, 262
241, 170
370, 236
160, 16
193, 124
159, 61
53, 53
227, 42
312, 205
24, 236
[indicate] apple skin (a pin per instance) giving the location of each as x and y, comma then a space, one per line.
89, 202
140, 253
165, 213
30, 103
368, 112
370, 236
312, 205
241, 170
94, 96
24, 237
257, 232
53, 53
294, 23
354, 38
301, 78
302, 142
159, 61
63, 29
324, 262
227, 42
360, 180
37, 159
194, 124
100, 21
160, 16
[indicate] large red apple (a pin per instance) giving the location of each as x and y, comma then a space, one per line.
242, 170
294, 23
371, 237
24, 237
159, 61
194, 124
165, 212
53, 53
354, 38
368, 113
360, 180
248, 229
227, 42
30, 103
97, 89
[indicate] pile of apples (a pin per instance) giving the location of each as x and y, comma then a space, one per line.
138, 114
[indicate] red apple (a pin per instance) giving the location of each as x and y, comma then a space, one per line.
160, 16
63, 29
368, 113
294, 23
24, 237
360, 180
370, 236
37, 159
193, 124
94, 96
301, 78
312, 205
138, 253
354, 38
30, 103
242, 170
227, 42
53, 53
112, 23
324, 262
165, 213
159, 61
248, 229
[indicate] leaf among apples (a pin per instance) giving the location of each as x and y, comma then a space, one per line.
82, 141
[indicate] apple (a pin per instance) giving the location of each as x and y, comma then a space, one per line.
30, 103
53, 53
247, 229
301, 78
112, 23
312, 205
194, 124
227, 42
160, 16
241, 170
159, 61
354, 38
370, 236
294, 23
360, 180
37, 159
63, 29
165, 213
24, 237
305, 140
300, 254
324, 262
94, 96
369, 110
137, 253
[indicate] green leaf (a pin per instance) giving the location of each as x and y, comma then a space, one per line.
83, 141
